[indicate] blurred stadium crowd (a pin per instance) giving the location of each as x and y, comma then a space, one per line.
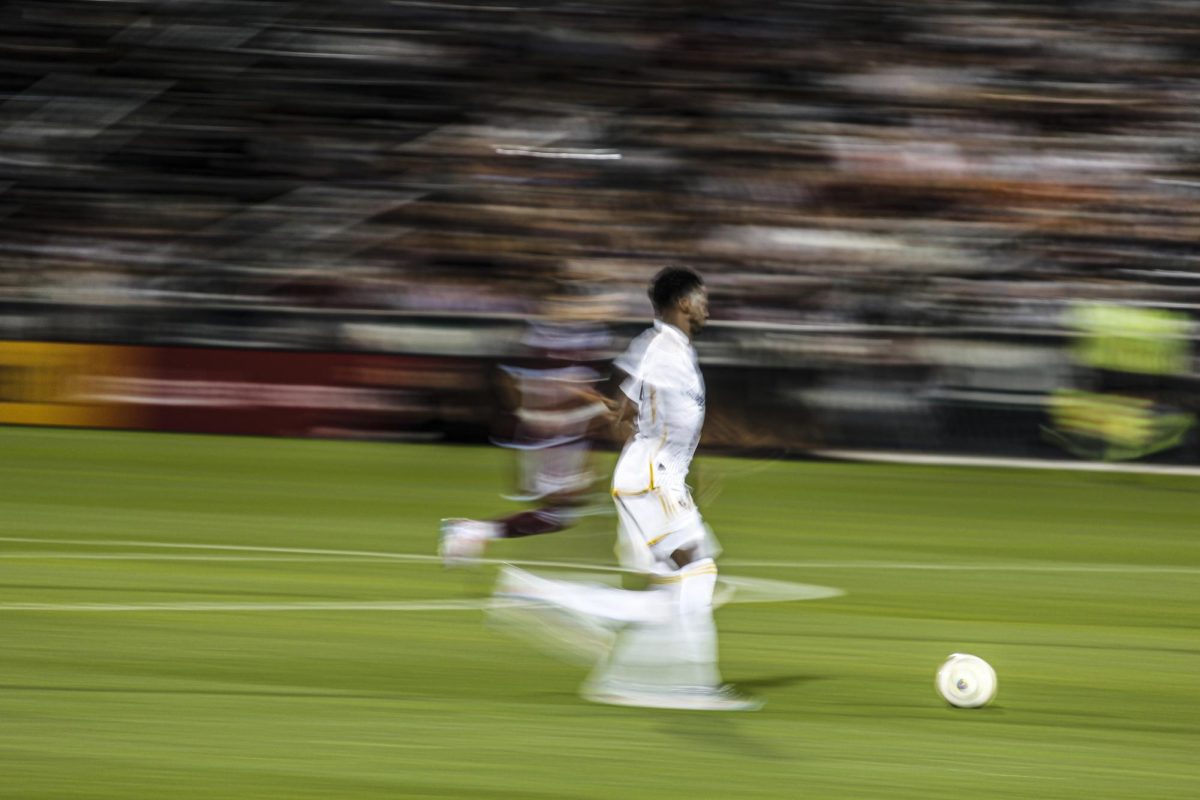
916, 218
880, 162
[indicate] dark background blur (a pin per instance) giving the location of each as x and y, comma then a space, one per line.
912, 215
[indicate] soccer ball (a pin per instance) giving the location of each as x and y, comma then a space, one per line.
966, 681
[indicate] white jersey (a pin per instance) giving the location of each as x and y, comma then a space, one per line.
665, 383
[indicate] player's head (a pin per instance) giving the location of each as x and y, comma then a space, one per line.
680, 289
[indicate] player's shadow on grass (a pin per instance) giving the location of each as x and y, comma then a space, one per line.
718, 732
722, 732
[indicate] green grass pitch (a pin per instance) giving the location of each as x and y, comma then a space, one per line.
1082, 589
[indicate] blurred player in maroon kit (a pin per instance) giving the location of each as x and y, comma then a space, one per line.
557, 408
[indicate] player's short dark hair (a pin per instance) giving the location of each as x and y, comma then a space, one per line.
671, 285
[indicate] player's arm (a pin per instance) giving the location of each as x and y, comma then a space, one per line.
627, 394
624, 413
627, 386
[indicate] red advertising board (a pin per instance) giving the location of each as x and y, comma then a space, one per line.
262, 392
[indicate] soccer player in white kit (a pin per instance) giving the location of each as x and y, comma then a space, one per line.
659, 523
664, 653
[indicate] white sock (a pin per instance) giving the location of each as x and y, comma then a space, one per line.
486, 529
697, 631
697, 582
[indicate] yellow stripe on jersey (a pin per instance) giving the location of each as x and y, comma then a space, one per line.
665, 502
659, 579
619, 493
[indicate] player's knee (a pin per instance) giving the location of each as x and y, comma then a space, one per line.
685, 555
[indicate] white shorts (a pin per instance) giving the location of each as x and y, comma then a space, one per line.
655, 523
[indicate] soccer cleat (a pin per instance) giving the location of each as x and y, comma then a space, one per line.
701, 698
462, 541
728, 698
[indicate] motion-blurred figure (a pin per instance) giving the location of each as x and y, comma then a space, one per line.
1130, 398
664, 651
556, 406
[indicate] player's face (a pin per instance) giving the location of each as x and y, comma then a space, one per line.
696, 308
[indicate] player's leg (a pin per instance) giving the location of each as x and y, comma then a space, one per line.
672, 662
466, 539
697, 628
607, 602
635, 613
696, 640
678, 649
589, 599
557, 475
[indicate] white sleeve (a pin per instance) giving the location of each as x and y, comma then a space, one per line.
632, 388
630, 362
